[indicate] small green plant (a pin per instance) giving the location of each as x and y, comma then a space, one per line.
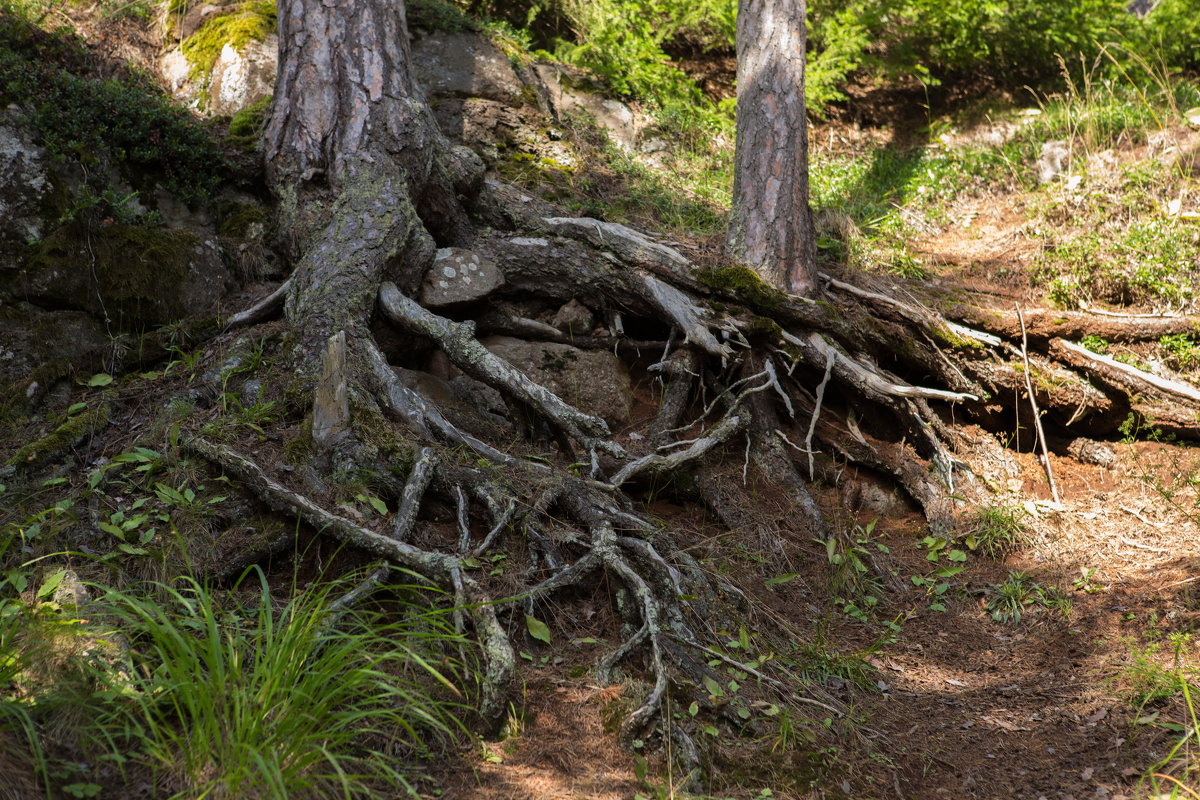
1008, 600
1086, 583
998, 530
185, 498
936, 585
852, 579
1181, 350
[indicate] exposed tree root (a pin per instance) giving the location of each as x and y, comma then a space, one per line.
789, 388
446, 570
458, 341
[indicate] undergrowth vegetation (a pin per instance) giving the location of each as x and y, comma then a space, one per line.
208, 694
106, 125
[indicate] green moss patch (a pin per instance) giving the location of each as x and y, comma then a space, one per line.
132, 273
236, 219
744, 285
246, 126
63, 438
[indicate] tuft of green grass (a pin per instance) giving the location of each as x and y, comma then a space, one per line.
274, 699
998, 530
1152, 684
1008, 600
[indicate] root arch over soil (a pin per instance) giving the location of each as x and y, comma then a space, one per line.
793, 388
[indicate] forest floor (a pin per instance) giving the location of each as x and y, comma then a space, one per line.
1080, 694
1057, 664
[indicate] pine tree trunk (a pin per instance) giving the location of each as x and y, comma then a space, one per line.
355, 158
771, 227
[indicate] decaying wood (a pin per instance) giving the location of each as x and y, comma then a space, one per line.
331, 403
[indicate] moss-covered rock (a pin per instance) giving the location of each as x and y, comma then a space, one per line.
134, 275
238, 219
233, 57
253, 21
70, 433
31, 337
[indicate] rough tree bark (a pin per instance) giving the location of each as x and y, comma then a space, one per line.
361, 172
771, 228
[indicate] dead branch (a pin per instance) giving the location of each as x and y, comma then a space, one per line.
1185, 390
265, 309
656, 463
1037, 415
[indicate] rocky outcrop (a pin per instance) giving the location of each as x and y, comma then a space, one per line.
466, 65
132, 276
31, 337
24, 186
483, 98
241, 78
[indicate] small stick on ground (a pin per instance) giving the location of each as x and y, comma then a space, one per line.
816, 415
1037, 415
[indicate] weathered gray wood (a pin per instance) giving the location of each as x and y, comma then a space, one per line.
331, 404
457, 340
1105, 363
265, 309
656, 463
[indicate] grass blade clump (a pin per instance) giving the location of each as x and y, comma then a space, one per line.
270, 700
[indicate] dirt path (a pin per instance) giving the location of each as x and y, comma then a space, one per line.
965, 706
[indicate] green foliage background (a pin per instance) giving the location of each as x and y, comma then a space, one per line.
1005, 42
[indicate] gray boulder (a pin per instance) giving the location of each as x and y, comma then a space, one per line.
31, 337
465, 65
558, 84
241, 78
574, 319
459, 276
